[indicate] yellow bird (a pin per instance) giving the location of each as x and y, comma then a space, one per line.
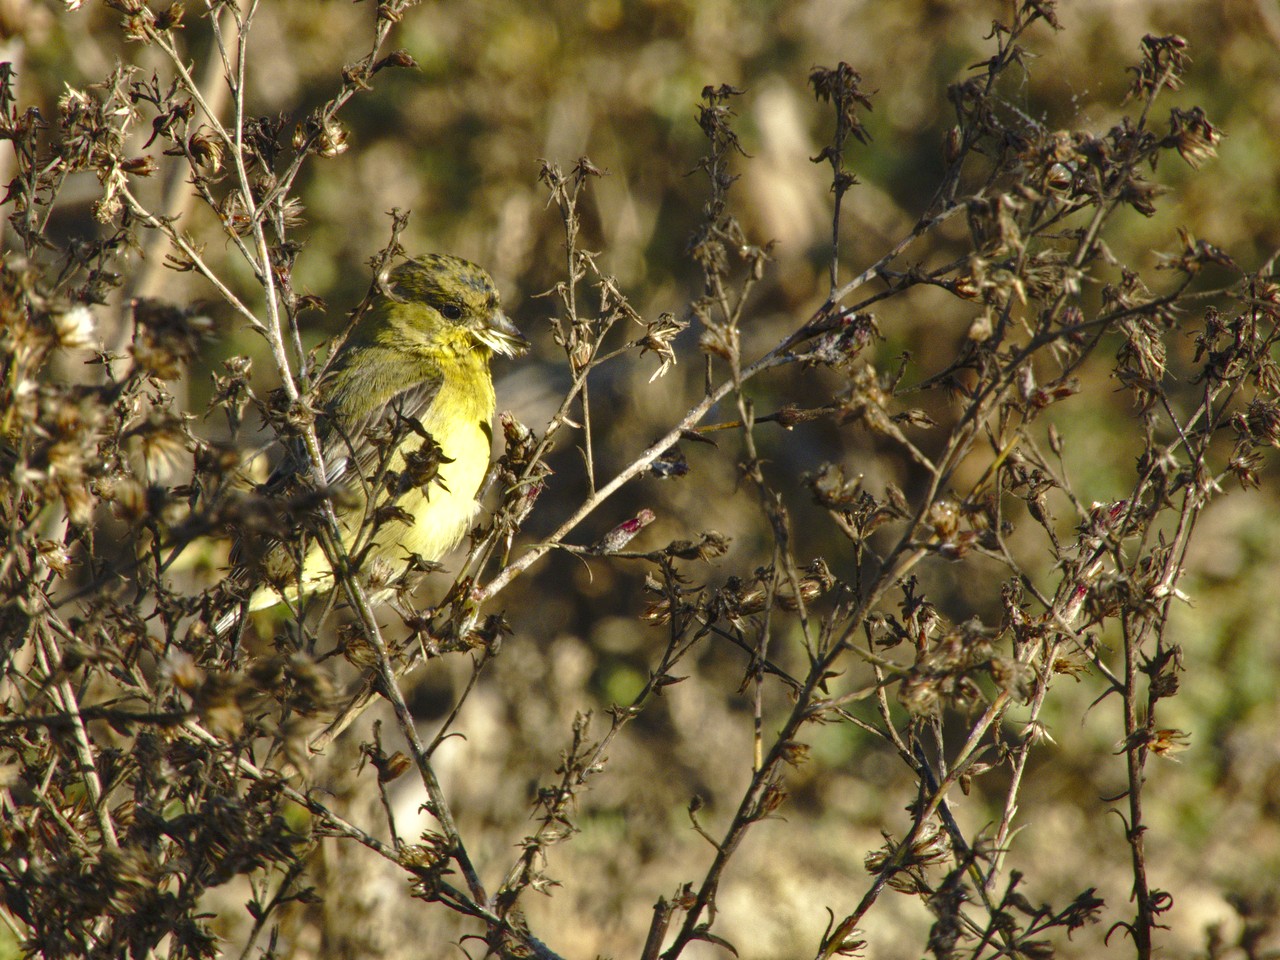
413, 374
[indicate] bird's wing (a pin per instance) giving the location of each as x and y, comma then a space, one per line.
351, 462
351, 458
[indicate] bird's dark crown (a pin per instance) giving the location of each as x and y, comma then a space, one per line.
439, 279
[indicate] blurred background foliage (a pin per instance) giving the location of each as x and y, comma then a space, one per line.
503, 83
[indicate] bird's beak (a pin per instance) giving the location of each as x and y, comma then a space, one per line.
501, 336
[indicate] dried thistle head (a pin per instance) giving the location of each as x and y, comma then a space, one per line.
166, 337
1164, 60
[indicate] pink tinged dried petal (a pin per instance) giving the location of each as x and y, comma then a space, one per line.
624, 533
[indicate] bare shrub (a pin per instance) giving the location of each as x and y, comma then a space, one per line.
917, 576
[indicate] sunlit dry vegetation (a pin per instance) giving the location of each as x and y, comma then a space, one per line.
877, 558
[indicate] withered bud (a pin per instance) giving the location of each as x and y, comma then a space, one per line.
356, 650
379, 574
1262, 420
657, 613
1059, 178
671, 465
143, 166
709, 546
831, 489
794, 753
332, 140
657, 339
393, 767
399, 59
422, 466
514, 433
216, 458
773, 797
55, 556
951, 145
170, 19
1163, 743
624, 533
205, 151
423, 857
323, 137
720, 340
74, 328
944, 518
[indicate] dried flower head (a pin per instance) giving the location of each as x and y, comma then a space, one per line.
74, 327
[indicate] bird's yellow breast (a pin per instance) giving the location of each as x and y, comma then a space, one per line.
458, 419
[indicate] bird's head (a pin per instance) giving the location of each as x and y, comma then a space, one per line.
437, 294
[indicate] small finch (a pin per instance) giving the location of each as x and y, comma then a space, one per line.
404, 425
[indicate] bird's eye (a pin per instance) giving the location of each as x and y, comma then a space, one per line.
451, 311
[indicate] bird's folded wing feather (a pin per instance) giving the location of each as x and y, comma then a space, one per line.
350, 457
